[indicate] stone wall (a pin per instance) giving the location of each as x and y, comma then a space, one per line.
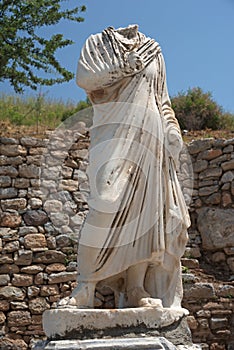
209, 258
211, 206
43, 193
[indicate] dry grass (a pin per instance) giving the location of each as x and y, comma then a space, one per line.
8, 129
203, 134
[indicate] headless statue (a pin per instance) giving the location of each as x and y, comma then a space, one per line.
136, 229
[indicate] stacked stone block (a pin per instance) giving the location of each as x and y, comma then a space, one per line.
43, 202
209, 297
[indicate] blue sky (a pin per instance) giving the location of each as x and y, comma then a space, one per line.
196, 36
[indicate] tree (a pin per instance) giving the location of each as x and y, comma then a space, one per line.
196, 110
24, 54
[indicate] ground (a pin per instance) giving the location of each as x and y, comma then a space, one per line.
10, 130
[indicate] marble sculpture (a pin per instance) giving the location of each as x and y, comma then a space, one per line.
136, 229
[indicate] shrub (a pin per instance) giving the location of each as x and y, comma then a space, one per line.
227, 121
196, 110
80, 106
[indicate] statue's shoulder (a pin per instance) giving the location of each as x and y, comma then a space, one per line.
94, 37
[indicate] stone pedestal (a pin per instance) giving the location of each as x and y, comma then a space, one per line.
104, 329
95, 323
150, 343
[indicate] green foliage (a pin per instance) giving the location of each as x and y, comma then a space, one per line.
196, 110
185, 269
80, 106
33, 110
230, 296
49, 113
227, 121
25, 56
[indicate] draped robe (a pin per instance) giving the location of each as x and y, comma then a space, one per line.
137, 210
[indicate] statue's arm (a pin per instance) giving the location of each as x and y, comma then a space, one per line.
172, 128
101, 64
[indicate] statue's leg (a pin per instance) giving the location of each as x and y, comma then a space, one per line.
164, 281
136, 293
175, 293
81, 297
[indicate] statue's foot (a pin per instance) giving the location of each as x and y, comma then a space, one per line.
82, 297
150, 302
138, 297
68, 302
135, 295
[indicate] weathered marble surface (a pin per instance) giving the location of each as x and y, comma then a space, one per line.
146, 343
133, 328
72, 323
154, 343
137, 221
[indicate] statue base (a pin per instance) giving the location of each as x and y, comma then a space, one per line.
146, 343
104, 329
